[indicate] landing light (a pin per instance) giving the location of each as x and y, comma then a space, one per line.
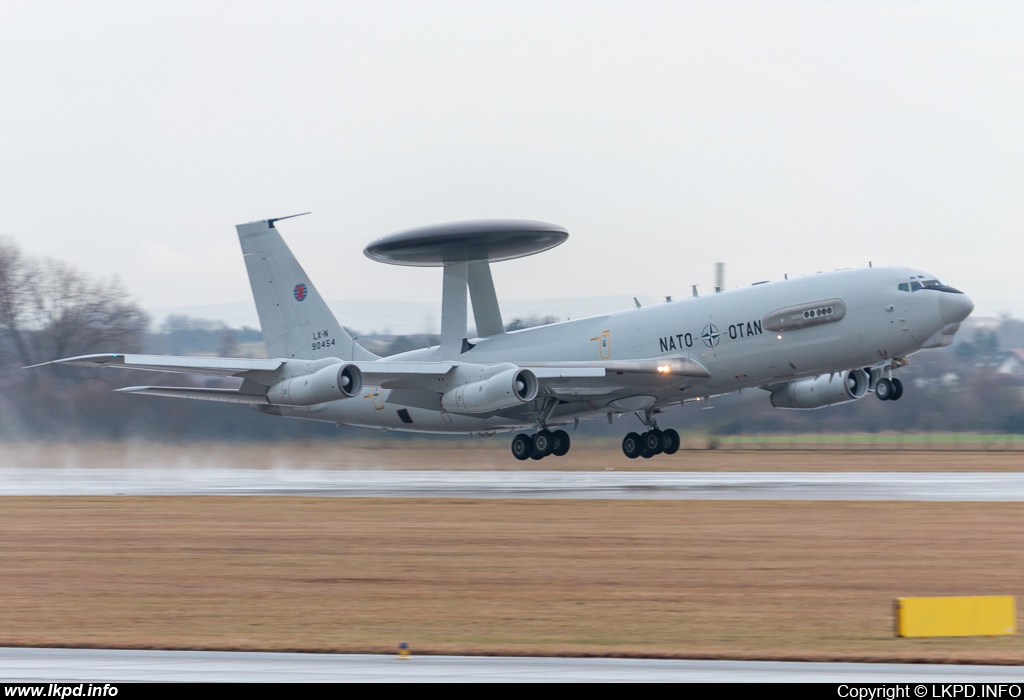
664, 369
779, 337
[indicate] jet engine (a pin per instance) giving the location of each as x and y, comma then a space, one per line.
828, 389
338, 381
504, 390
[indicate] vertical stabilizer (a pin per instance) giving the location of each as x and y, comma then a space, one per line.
295, 320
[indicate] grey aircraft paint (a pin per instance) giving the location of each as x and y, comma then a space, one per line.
811, 341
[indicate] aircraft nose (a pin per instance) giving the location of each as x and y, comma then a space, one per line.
955, 307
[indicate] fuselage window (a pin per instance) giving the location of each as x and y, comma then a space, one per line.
915, 285
824, 311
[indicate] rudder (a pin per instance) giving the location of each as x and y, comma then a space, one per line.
295, 320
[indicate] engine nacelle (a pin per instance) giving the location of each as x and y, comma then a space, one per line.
504, 390
340, 381
826, 390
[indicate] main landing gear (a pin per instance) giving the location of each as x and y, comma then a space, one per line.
538, 446
654, 442
889, 389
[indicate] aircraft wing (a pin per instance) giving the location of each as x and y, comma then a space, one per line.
666, 367
560, 377
580, 380
597, 378
211, 366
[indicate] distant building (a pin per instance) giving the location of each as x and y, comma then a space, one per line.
1012, 364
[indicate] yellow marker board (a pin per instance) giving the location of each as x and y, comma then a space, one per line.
957, 616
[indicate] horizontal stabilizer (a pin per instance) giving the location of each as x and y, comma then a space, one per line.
225, 395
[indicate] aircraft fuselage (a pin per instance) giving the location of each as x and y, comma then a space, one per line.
857, 319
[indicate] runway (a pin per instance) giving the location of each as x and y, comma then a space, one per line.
119, 666
112, 666
842, 486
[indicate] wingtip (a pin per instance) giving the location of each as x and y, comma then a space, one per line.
80, 360
41, 364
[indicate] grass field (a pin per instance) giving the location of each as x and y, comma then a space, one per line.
984, 442
768, 580
493, 454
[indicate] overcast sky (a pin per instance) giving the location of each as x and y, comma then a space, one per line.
779, 137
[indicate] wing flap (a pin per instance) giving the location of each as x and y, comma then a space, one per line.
590, 380
404, 375
668, 367
225, 395
567, 372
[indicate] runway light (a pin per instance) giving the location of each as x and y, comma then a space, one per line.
403, 651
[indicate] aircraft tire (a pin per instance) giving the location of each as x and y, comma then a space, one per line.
652, 441
537, 455
560, 441
544, 443
522, 446
884, 389
647, 454
897, 390
631, 445
670, 442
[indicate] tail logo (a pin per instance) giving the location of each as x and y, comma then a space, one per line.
300, 291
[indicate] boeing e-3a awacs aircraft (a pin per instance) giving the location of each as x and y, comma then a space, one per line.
809, 342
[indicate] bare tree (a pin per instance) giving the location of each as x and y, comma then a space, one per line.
49, 310
17, 281
72, 314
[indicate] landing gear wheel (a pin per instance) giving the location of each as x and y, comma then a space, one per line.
522, 446
652, 442
670, 442
897, 390
647, 454
560, 443
631, 446
537, 455
884, 389
543, 443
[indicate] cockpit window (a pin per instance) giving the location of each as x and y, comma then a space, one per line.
914, 285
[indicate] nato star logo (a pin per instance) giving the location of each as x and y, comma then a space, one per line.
710, 335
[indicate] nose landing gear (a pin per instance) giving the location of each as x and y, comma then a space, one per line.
889, 389
545, 442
